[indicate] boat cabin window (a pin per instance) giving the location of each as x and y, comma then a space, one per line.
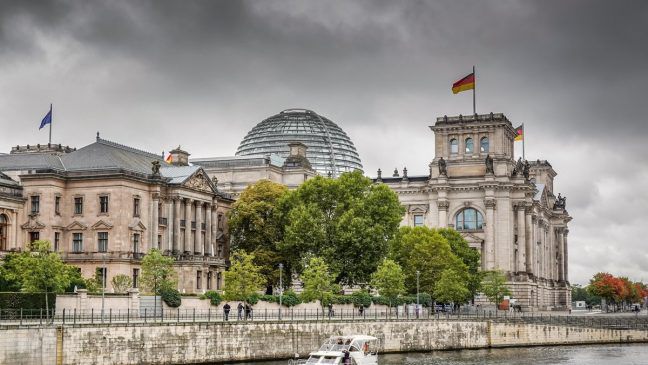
328, 360
313, 360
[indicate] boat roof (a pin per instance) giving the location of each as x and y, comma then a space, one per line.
355, 337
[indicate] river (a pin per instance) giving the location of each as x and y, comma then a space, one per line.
570, 355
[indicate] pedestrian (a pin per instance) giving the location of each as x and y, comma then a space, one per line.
330, 310
248, 312
226, 310
361, 310
240, 311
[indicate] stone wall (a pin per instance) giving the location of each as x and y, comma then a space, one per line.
226, 342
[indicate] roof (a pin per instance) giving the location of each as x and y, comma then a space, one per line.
6, 180
178, 174
30, 162
104, 154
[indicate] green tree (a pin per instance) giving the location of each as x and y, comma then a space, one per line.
256, 227
243, 279
121, 283
494, 286
389, 280
157, 272
318, 282
42, 271
580, 293
346, 221
424, 250
10, 276
452, 287
468, 255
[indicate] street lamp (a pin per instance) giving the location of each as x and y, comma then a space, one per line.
103, 286
280, 287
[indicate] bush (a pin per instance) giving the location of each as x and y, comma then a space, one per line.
17, 300
361, 299
171, 297
290, 299
214, 297
253, 299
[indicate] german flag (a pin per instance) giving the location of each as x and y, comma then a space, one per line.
519, 133
467, 83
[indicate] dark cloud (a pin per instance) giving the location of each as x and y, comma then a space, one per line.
201, 73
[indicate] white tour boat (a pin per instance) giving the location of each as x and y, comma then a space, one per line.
345, 350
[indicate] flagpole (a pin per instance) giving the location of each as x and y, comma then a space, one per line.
523, 142
50, 125
474, 91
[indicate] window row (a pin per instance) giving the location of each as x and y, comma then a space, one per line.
466, 220
78, 240
104, 206
469, 145
210, 276
101, 274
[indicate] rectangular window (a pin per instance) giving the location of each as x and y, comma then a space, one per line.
136, 242
418, 220
77, 242
102, 242
135, 278
198, 279
136, 207
103, 204
35, 204
209, 280
159, 242
57, 240
34, 236
78, 205
57, 205
101, 275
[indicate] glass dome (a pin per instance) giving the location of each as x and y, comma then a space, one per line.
330, 150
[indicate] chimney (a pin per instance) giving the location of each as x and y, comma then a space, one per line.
179, 157
297, 156
297, 149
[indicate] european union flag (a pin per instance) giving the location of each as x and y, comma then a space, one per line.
47, 120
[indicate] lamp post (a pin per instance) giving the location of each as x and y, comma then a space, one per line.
103, 286
418, 273
280, 287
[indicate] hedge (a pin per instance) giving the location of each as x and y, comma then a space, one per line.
171, 297
17, 300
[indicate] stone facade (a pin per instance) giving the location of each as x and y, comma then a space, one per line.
106, 205
506, 210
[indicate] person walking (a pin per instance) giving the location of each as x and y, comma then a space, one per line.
248, 312
226, 310
240, 311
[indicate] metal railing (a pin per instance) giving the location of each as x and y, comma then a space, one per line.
39, 317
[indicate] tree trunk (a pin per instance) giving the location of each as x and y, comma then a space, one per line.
46, 307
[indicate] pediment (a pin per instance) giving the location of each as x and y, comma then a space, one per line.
102, 225
200, 181
470, 237
418, 208
76, 226
33, 224
137, 226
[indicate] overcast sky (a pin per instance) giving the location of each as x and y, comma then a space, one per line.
157, 74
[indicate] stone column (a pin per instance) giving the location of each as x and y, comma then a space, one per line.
521, 239
443, 206
187, 237
176, 224
155, 225
168, 203
198, 246
16, 231
214, 230
489, 243
561, 259
208, 228
529, 249
565, 256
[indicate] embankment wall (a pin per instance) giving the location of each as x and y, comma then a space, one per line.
226, 342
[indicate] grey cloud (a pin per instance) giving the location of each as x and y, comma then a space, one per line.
201, 73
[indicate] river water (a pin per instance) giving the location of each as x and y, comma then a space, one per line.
571, 355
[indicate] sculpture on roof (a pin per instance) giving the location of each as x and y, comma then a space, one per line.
395, 173
525, 170
489, 165
519, 166
561, 202
155, 167
379, 178
442, 167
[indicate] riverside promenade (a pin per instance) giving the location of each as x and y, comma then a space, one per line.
199, 337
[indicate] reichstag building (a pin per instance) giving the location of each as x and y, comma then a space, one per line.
104, 205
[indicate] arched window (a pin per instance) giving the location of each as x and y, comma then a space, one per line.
470, 147
454, 146
469, 219
483, 144
3, 232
